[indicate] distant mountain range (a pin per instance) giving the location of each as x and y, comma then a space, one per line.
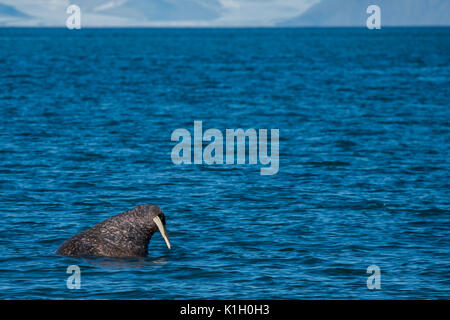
321, 13
155, 10
393, 13
111, 12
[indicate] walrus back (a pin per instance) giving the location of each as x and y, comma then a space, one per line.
77, 246
118, 236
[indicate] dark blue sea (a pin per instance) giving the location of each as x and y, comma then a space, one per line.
86, 118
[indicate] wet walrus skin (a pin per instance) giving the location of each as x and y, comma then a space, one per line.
124, 235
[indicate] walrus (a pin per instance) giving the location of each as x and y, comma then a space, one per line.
124, 235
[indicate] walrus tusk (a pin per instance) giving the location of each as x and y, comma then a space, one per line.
162, 229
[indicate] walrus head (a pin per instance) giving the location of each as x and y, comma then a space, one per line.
156, 219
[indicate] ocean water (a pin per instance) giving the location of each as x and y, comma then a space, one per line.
86, 118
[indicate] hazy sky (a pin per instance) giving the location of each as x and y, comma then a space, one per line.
120, 13
154, 12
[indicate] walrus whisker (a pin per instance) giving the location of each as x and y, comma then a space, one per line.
162, 229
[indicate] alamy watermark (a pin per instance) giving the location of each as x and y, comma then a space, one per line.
74, 20
374, 20
213, 153
74, 281
374, 280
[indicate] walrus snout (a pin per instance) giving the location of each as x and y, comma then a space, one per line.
158, 218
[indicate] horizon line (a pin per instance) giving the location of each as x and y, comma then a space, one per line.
226, 27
